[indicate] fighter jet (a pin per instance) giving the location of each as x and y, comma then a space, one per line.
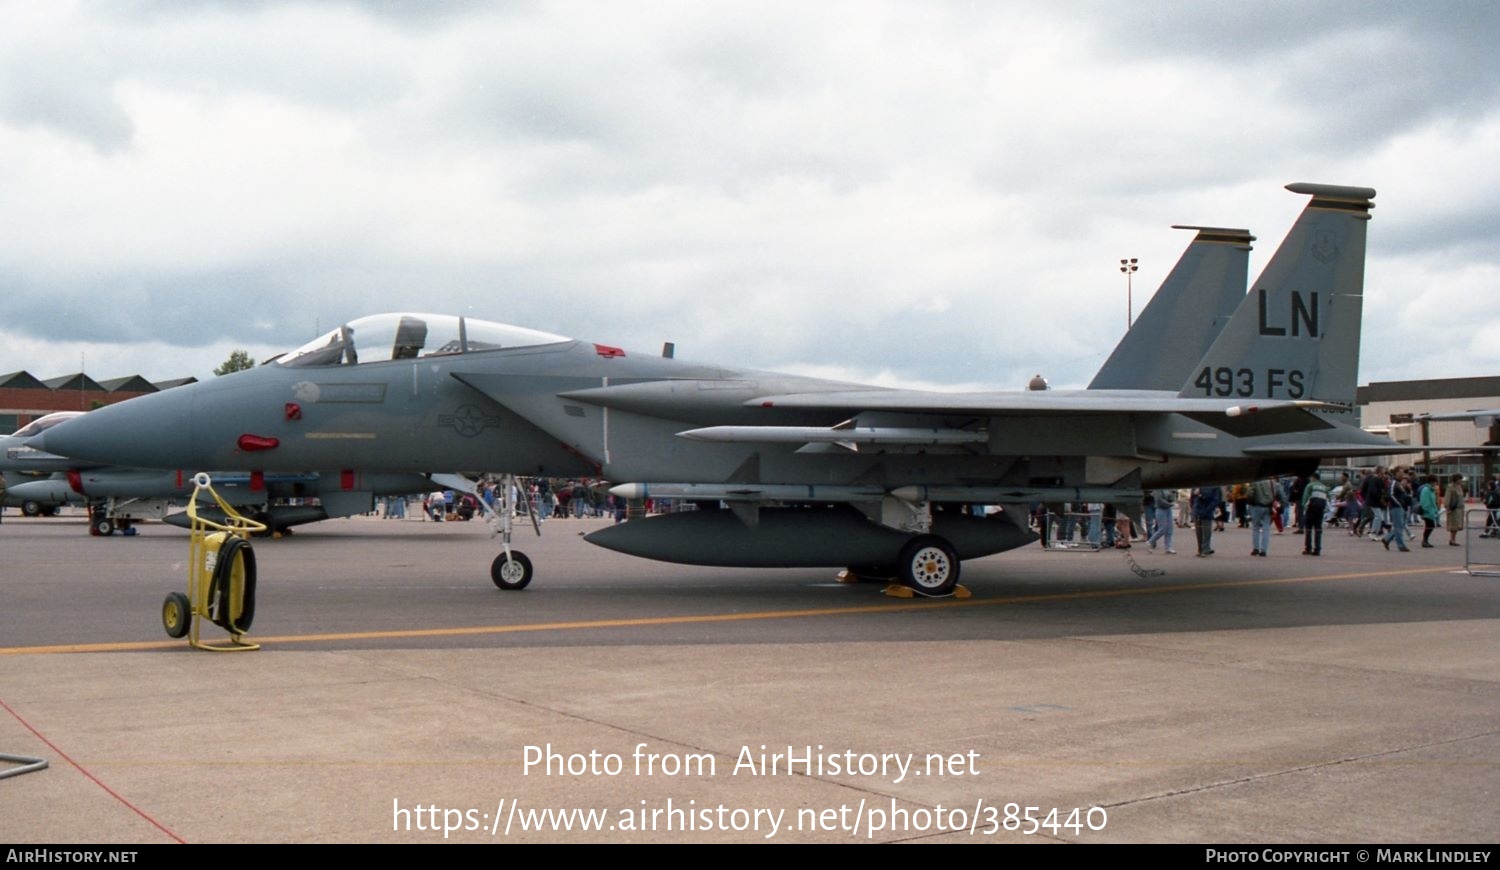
116, 495
814, 472
31, 479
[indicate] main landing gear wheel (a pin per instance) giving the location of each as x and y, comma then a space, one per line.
31, 508
514, 573
929, 566
104, 525
176, 614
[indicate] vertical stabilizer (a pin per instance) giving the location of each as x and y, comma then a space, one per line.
1296, 335
1185, 315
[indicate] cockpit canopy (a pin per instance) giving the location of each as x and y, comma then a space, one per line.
384, 337
42, 424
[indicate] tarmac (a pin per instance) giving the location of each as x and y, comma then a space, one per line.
400, 697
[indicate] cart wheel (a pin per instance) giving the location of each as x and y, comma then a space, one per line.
176, 614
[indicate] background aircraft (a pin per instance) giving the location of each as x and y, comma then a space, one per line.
116, 495
816, 472
30, 474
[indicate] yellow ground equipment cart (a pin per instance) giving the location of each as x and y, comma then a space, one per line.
221, 576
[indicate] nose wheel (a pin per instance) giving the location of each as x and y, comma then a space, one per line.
512, 571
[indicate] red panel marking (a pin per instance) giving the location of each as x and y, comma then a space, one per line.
250, 443
293, 411
606, 350
346, 479
75, 481
257, 481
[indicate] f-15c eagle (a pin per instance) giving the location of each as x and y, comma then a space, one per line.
813, 472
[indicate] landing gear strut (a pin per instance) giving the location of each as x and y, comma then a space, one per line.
511, 570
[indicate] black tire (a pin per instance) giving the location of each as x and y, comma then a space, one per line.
31, 508
104, 526
929, 566
220, 587
512, 575
176, 614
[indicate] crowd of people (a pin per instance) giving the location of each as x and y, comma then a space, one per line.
1386, 505
1397, 507
544, 498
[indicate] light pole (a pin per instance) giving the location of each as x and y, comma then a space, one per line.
1129, 267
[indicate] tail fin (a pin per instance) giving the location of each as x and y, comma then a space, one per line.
1184, 316
1296, 335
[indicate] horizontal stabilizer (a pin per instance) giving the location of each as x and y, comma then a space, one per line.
1332, 448
1251, 423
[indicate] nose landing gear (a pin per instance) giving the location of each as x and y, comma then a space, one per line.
511, 570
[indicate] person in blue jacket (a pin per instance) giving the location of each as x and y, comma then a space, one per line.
1205, 510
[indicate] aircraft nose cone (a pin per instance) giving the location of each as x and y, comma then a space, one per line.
148, 432
42, 442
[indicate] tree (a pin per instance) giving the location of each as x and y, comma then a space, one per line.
238, 361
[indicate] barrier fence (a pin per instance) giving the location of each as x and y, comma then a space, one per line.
1482, 542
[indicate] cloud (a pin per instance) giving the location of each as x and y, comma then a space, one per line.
938, 192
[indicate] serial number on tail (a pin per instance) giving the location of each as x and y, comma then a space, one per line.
1247, 383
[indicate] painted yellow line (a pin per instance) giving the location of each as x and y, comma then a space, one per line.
579, 625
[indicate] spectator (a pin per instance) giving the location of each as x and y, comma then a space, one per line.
1453, 504
1259, 498
1205, 512
1314, 503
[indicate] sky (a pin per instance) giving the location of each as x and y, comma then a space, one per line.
920, 194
